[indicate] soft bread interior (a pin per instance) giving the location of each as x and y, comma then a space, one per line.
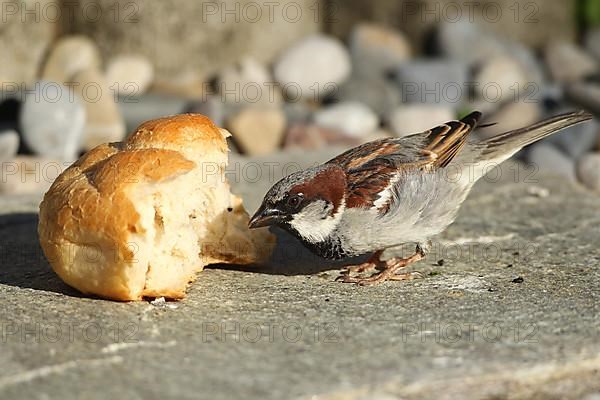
142, 217
174, 216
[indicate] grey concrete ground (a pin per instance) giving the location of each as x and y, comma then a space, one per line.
511, 312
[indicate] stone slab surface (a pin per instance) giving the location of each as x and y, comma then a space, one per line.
511, 312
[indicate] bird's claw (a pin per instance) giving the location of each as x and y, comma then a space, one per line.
378, 278
352, 279
407, 276
355, 269
389, 272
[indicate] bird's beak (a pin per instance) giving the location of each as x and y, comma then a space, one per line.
265, 217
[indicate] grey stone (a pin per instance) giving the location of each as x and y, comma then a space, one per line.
69, 55
380, 95
129, 74
568, 62
473, 45
104, 123
533, 23
585, 94
313, 67
27, 31
9, 145
467, 42
551, 160
534, 70
258, 131
464, 331
512, 115
213, 107
377, 50
352, 118
588, 171
414, 118
576, 140
313, 137
500, 79
443, 82
553, 96
189, 42
342, 20
136, 110
592, 42
298, 111
248, 82
52, 121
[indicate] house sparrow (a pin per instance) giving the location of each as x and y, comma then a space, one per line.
391, 192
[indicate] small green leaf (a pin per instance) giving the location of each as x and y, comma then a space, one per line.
591, 12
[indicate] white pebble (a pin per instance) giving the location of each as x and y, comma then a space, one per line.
129, 74
313, 67
352, 118
53, 120
9, 145
414, 118
588, 171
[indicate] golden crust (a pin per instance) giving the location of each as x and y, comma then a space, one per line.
87, 216
79, 209
180, 132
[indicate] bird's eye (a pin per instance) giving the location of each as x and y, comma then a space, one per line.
294, 201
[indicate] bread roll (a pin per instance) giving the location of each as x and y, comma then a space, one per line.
141, 217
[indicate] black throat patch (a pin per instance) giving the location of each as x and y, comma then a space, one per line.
330, 248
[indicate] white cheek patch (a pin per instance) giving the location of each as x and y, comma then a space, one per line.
314, 223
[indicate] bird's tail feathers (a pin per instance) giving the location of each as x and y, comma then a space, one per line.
506, 144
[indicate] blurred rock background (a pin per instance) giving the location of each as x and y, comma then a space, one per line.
302, 74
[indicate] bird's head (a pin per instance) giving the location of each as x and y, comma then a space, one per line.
309, 203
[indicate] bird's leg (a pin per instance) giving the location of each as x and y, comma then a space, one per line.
371, 264
389, 272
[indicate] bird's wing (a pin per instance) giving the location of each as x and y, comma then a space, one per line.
372, 167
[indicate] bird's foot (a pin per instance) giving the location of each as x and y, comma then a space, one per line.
370, 265
406, 276
379, 277
389, 273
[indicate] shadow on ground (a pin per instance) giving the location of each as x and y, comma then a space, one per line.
290, 258
23, 263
